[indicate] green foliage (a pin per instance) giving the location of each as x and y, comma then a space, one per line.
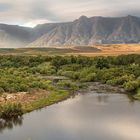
131, 85
18, 80
71, 67
27, 73
54, 96
89, 77
102, 62
9, 110
127, 59
44, 68
138, 92
120, 80
22, 73
67, 85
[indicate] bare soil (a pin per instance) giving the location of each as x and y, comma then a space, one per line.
23, 97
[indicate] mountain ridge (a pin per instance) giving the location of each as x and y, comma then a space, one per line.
82, 31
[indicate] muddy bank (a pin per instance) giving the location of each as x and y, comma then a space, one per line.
27, 97
102, 88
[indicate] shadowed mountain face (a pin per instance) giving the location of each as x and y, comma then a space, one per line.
83, 31
14, 36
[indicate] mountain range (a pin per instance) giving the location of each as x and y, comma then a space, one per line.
82, 31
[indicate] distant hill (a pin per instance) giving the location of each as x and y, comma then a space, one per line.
14, 36
82, 31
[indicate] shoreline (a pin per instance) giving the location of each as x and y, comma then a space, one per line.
43, 98
101, 88
38, 103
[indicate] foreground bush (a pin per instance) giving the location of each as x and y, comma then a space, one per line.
9, 110
131, 85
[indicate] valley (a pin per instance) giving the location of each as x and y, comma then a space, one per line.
69, 70
30, 82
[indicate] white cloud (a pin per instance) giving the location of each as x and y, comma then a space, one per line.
24, 12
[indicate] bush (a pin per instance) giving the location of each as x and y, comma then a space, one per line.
69, 74
120, 80
138, 92
9, 110
44, 68
68, 85
102, 62
89, 78
112, 82
130, 85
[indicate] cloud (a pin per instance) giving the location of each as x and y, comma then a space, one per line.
37, 11
5, 7
41, 10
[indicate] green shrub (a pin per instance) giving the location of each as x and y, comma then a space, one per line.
68, 85
89, 78
44, 68
138, 92
130, 85
9, 110
102, 62
112, 82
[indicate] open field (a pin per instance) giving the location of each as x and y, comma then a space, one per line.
113, 50
48, 51
96, 50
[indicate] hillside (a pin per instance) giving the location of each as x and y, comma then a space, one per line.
88, 31
82, 31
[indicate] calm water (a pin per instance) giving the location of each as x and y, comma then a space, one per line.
86, 117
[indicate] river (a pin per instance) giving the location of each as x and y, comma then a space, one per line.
87, 116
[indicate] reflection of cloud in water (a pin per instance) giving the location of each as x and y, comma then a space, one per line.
90, 117
125, 129
86, 117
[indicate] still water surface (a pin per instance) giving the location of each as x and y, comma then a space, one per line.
86, 117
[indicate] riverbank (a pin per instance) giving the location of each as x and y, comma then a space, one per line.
38, 99
17, 104
24, 102
103, 88
137, 96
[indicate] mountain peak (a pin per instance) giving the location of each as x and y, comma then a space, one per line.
130, 16
83, 17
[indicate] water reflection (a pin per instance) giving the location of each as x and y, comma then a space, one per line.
102, 98
131, 98
89, 116
10, 123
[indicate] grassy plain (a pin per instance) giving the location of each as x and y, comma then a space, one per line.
94, 50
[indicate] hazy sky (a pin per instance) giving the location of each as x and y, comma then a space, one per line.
32, 12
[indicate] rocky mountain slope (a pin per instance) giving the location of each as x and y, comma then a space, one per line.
83, 31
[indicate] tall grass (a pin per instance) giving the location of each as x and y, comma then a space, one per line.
9, 110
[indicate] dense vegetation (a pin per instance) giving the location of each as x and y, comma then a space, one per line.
26, 73
123, 71
8, 110
21, 73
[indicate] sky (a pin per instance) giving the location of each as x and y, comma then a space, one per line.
33, 12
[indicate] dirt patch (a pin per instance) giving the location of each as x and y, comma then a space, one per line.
23, 97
